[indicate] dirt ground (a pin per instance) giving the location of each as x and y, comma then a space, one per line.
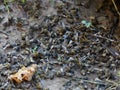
75, 44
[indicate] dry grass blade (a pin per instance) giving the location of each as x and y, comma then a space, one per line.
116, 7
113, 85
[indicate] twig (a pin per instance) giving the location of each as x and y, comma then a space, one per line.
94, 82
116, 7
4, 33
113, 52
90, 81
103, 37
113, 85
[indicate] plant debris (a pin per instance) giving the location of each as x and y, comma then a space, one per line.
59, 45
23, 74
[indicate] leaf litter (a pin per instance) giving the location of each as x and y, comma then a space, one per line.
72, 45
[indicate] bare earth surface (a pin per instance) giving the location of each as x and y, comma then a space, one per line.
68, 54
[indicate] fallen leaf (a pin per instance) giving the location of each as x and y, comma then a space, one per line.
23, 74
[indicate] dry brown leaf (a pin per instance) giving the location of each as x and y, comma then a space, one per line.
25, 73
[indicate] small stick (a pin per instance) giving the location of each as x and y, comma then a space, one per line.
116, 7
103, 37
4, 33
90, 81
